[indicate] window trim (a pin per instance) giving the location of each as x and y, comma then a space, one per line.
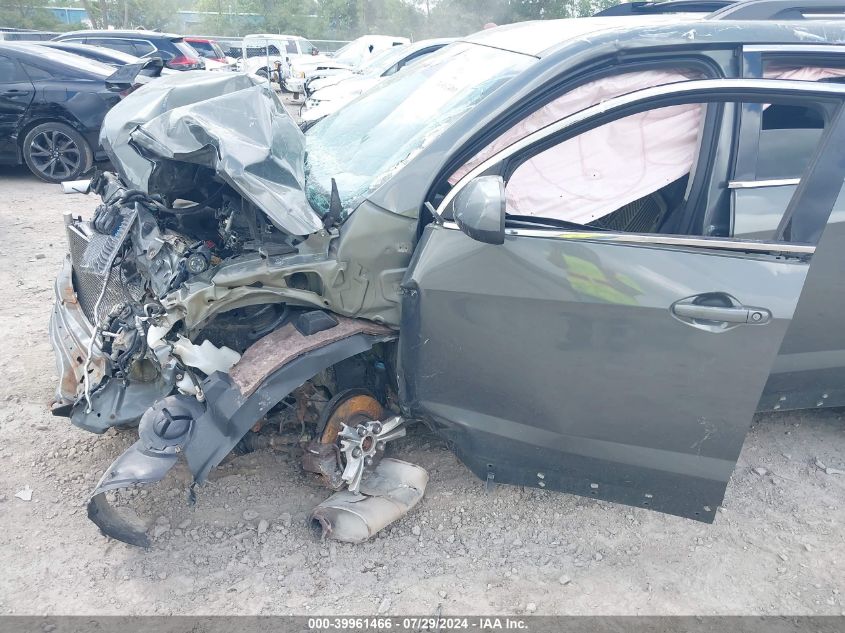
695, 91
645, 239
788, 49
759, 184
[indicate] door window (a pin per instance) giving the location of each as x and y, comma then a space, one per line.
10, 71
627, 175
786, 140
115, 43
35, 73
261, 51
142, 48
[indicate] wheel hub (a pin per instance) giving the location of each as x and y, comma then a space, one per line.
54, 154
363, 445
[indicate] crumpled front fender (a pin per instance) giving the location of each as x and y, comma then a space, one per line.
206, 432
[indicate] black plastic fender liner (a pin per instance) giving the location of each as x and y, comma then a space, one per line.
163, 430
135, 466
229, 415
211, 433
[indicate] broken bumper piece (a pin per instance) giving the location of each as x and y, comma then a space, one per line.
164, 430
206, 432
387, 494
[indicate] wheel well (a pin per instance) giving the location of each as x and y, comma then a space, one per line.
47, 119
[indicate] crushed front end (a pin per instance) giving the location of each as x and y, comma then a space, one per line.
205, 298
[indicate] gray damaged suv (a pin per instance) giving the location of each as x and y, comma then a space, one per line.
584, 252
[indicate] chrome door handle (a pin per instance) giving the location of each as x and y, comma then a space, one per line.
712, 313
717, 312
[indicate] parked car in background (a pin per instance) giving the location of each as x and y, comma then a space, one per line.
52, 105
24, 35
232, 46
108, 56
210, 50
329, 94
379, 62
344, 60
172, 49
263, 53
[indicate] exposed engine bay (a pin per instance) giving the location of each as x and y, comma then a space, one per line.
209, 322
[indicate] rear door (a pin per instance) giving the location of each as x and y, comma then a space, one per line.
16, 94
612, 362
810, 369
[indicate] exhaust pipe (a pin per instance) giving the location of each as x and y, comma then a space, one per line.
387, 494
76, 186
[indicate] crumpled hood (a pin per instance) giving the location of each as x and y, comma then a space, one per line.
347, 88
310, 65
229, 122
320, 82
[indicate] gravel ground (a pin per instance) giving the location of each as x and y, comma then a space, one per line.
777, 545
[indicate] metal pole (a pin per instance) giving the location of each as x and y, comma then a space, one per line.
267, 61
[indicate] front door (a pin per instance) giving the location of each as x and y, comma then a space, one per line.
592, 352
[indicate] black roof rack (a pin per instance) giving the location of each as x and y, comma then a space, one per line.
781, 10
666, 6
736, 9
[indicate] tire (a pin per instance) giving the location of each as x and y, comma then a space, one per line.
55, 152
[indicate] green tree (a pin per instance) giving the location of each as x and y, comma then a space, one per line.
129, 14
25, 14
317, 19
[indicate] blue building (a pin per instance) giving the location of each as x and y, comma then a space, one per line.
187, 21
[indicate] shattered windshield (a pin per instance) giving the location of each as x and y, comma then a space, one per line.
367, 141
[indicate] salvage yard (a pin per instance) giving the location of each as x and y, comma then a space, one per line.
777, 545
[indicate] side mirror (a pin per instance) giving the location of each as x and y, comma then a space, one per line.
479, 209
315, 52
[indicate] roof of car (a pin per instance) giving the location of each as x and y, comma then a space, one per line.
381, 38
535, 37
82, 49
692, 31
273, 36
121, 33
57, 55
432, 42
